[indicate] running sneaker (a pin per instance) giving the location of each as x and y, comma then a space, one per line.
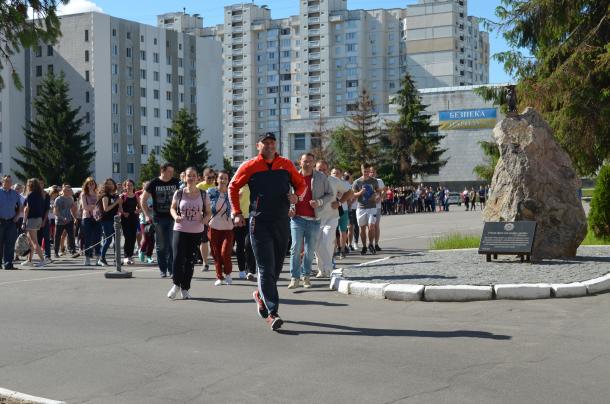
149, 260
185, 294
306, 282
251, 277
102, 262
274, 321
372, 249
205, 268
352, 248
242, 274
172, 292
41, 264
260, 306
363, 252
218, 282
294, 283
228, 280
377, 247
142, 256
320, 274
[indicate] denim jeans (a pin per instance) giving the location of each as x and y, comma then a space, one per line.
108, 229
45, 234
8, 236
307, 231
164, 228
92, 234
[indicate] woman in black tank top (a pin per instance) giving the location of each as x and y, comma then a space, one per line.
129, 220
110, 204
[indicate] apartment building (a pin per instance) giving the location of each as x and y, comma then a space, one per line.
317, 63
12, 114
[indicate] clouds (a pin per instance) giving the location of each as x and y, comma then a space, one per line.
78, 6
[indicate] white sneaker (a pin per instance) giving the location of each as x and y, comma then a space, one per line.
242, 274
172, 292
294, 283
125, 261
130, 261
306, 282
250, 277
218, 282
87, 261
185, 294
47, 260
228, 280
321, 274
40, 264
27, 263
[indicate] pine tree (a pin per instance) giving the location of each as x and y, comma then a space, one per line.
411, 144
492, 155
363, 130
182, 148
57, 151
343, 151
151, 169
599, 214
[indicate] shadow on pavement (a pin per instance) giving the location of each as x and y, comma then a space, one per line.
382, 332
389, 277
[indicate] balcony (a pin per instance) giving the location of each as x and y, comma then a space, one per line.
315, 103
313, 20
314, 79
237, 18
238, 30
238, 84
314, 31
314, 68
238, 62
238, 141
238, 118
313, 9
238, 96
314, 44
238, 108
238, 130
314, 90
238, 73
314, 55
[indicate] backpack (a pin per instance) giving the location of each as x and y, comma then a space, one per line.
22, 245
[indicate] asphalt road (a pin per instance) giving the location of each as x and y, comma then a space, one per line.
69, 334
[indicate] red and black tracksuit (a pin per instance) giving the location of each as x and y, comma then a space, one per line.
270, 184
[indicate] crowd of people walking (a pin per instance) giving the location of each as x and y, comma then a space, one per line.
269, 209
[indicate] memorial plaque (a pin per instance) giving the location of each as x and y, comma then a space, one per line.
508, 238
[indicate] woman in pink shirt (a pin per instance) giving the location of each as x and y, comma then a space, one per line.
191, 211
221, 229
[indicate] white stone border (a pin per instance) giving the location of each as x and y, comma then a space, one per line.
464, 293
15, 395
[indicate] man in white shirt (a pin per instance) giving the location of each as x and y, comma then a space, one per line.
379, 198
343, 214
329, 219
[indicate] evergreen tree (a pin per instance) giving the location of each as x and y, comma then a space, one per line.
151, 169
343, 151
18, 31
411, 144
228, 167
363, 131
182, 148
492, 155
566, 76
599, 215
57, 151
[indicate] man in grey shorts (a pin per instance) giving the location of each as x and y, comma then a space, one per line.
365, 189
380, 197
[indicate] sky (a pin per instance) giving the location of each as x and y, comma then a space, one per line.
212, 12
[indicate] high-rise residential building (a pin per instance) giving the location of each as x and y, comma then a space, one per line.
12, 114
316, 64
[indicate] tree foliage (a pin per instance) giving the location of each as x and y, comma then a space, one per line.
17, 32
182, 148
567, 76
492, 155
411, 145
56, 150
151, 169
320, 142
363, 130
343, 150
599, 215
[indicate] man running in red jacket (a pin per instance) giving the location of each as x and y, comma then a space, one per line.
269, 177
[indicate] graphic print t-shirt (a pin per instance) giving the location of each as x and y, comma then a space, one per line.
370, 186
191, 210
162, 193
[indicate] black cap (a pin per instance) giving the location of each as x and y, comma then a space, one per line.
268, 135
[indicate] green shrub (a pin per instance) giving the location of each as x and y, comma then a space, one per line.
454, 241
599, 215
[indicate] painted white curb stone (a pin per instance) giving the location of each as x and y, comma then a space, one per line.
343, 286
523, 291
575, 289
404, 292
334, 282
597, 285
457, 293
363, 289
14, 395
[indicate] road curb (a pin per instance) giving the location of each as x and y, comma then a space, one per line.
574, 289
457, 293
404, 292
372, 290
523, 291
597, 285
15, 395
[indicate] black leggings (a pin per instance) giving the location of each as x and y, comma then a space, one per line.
353, 220
128, 225
243, 249
185, 246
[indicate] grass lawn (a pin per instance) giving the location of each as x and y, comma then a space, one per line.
587, 192
454, 241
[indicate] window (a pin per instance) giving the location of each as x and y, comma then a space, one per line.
115, 69
157, 150
168, 95
351, 47
144, 149
350, 36
116, 168
129, 110
155, 57
142, 55
128, 52
129, 35
130, 150
157, 131
181, 97
115, 128
143, 92
86, 35
86, 75
113, 32
156, 94
115, 147
168, 59
299, 141
87, 97
141, 38
130, 130
130, 72
115, 88
38, 51
142, 111
38, 71
168, 78
86, 56
156, 76
154, 41
115, 50
168, 114
316, 141
180, 62
156, 112
129, 91
168, 132
180, 80
87, 117
143, 74
49, 50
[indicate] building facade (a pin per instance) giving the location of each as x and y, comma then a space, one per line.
317, 63
12, 114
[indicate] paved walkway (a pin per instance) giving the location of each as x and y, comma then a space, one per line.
468, 267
